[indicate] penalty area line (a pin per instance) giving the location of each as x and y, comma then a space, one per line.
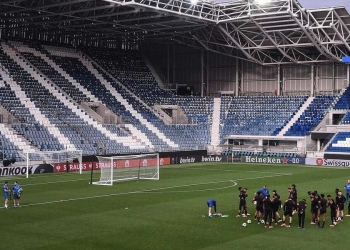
152, 190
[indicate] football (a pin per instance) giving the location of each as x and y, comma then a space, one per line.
262, 222
339, 218
254, 202
244, 224
249, 221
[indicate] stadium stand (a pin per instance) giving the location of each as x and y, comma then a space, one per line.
311, 116
340, 143
63, 77
257, 115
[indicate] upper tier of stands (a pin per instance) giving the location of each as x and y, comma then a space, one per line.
122, 81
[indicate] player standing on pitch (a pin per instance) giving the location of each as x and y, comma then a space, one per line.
289, 206
347, 190
16, 190
333, 207
301, 206
258, 200
264, 191
322, 212
268, 204
340, 201
6, 193
314, 207
242, 208
275, 207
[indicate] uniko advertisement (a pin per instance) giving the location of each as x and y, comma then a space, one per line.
86, 166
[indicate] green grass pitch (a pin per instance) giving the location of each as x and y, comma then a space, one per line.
62, 211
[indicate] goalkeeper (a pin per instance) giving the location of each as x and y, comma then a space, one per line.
17, 191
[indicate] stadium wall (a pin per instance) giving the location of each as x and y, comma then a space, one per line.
182, 64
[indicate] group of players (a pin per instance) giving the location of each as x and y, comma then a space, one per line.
16, 191
267, 207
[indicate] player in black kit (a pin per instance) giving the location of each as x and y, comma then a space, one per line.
275, 207
259, 206
322, 212
314, 207
340, 201
301, 206
293, 192
333, 207
242, 209
288, 206
268, 204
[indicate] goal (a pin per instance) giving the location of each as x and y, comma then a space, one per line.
54, 161
127, 167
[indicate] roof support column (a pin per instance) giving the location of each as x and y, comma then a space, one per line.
333, 76
312, 80
237, 78
202, 73
174, 64
168, 67
279, 80
208, 71
347, 75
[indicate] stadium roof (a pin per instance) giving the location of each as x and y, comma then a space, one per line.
267, 32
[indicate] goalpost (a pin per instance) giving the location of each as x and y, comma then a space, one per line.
54, 161
127, 167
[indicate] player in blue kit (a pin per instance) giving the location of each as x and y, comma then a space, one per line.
347, 190
211, 204
6, 193
16, 190
264, 191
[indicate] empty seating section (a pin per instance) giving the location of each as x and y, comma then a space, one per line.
59, 115
311, 116
257, 115
130, 69
133, 84
344, 100
340, 143
252, 153
81, 74
7, 149
197, 109
13, 105
344, 103
54, 76
38, 136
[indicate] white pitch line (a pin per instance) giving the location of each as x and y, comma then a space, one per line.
149, 190
190, 191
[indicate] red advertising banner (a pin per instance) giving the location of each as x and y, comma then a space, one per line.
62, 167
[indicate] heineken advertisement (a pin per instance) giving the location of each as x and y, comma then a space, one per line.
273, 160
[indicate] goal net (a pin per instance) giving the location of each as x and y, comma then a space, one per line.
54, 161
127, 167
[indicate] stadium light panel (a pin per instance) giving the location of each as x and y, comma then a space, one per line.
262, 1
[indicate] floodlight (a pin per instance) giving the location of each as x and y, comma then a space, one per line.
194, 2
262, 1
